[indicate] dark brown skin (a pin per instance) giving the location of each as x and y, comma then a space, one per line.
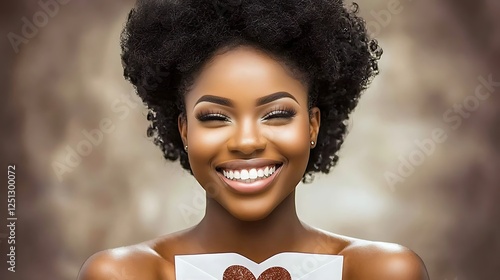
257, 225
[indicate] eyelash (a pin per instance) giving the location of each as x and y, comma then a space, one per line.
205, 116
278, 113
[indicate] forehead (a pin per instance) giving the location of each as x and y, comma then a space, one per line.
243, 70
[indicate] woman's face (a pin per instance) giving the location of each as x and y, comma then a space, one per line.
248, 131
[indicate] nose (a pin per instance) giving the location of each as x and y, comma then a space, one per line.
247, 138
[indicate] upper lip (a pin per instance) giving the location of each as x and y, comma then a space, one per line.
247, 164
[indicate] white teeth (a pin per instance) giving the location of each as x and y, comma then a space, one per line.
260, 173
244, 174
251, 175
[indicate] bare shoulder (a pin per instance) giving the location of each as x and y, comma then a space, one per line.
125, 263
380, 260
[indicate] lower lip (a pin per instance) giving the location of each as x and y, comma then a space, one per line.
250, 188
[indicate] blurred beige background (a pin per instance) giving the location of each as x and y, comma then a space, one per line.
67, 79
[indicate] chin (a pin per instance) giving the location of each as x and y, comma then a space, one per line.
250, 212
250, 217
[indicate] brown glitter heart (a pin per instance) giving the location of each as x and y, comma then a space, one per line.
238, 272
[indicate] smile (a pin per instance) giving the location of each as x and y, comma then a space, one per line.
249, 176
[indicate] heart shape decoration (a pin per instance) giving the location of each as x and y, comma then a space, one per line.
239, 272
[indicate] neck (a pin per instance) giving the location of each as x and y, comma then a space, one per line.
280, 231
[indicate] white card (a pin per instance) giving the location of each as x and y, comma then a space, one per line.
298, 265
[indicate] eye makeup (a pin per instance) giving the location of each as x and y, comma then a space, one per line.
280, 113
208, 115
276, 113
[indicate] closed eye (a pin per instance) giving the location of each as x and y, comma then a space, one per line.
280, 114
212, 116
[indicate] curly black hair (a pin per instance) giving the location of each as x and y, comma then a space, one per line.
165, 43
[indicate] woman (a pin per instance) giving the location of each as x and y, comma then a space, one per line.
252, 97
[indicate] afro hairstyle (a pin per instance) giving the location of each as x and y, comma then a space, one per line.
165, 43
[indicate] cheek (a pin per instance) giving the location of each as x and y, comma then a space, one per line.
207, 137
204, 141
292, 140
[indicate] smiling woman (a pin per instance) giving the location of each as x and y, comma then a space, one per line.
252, 98
267, 127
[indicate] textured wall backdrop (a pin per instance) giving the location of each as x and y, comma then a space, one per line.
420, 167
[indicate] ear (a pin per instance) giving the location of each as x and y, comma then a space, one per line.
314, 123
182, 125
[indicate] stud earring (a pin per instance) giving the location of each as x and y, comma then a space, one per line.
186, 148
312, 143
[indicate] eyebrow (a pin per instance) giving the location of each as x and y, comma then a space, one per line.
261, 101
